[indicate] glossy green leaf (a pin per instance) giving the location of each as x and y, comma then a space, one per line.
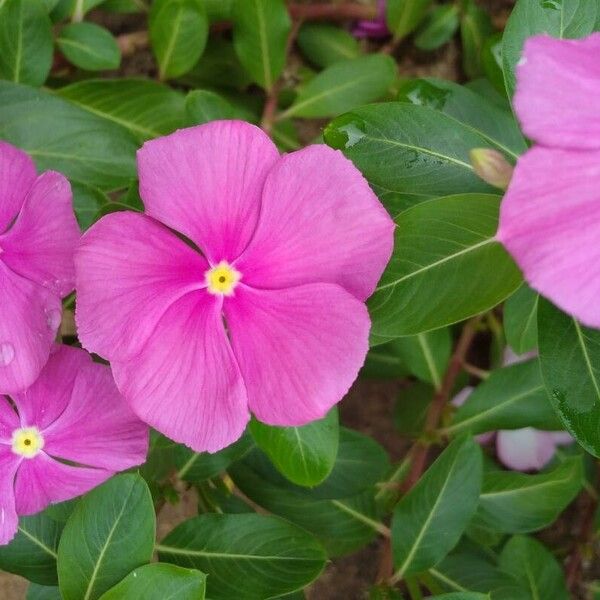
203, 106
531, 563
304, 455
429, 520
511, 398
110, 533
260, 31
558, 18
438, 28
64, 137
343, 86
42, 592
445, 245
404, 16
87, 201
146, 108
475, 27
325, 44
246, 556
74, 9
570, 361
89, 46
159, 582
33, 552
517, 503
491, 61
25, 41
285, 135
219, 10
384, 362
178, 34
520, 319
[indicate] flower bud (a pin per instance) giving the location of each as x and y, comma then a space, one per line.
491, 166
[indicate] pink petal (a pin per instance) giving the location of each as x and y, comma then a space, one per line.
185, 382
130, 270
550, 223
299, 349
9, 421
9, 463
320, 223
562, 438
525, 449
17, 174
96, 428
41, 243
558, 91
206, 182
30, 318
42, 481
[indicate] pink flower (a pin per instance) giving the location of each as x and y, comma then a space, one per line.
73, 412
375, 28
550, 216
262, 310
38, 236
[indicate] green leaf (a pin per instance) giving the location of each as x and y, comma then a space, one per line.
429, 520
33, 552
438, 28
404, 16
110, 533
203, 106
475, 27
25, 41
343, 86
446, 266
146, 108
384, 362
491, 60
159, 582
558, 18
533, 565
304, 455
260, 32
409, 153
178, 34
324, 44
64, 137
87, 201
410, 410
511, 398
245, 555
74, 9
463, 596
517, 503
89, 46
125, 6
520, 319
42, 592
570, 361
219, 10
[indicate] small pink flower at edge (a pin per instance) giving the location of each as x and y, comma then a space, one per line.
38, 237
374, 28
73, 412
550, 215
267, 316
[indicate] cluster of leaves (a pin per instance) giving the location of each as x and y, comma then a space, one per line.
276, 505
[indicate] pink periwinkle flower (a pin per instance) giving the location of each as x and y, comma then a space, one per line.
67, 433
550, 216
38, 236
375, 28
262, 308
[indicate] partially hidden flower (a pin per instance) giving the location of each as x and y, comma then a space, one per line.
67, 433
38, 236
262, 309
373, 28
550, 216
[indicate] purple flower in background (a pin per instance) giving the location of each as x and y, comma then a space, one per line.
375, 28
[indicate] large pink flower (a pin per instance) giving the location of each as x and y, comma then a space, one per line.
262, 310
550, 216
38, 236
67, 433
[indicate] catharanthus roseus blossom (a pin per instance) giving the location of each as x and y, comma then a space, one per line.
67, 433
375, 28
38, 236
550, 216
262, 310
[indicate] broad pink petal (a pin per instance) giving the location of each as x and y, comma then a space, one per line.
550, 223
9, 462
30, 318
185, 382
299, 349
17, 174
206, 182
558, 91
41, 243
97, 427
526, 449
130, 270
9, 420
42, 481
320, 223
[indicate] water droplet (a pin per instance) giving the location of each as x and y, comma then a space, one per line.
423, 93
7, 354
53, 318
553, 4
344, 132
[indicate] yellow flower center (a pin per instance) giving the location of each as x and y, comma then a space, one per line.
222, 279
27, 442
